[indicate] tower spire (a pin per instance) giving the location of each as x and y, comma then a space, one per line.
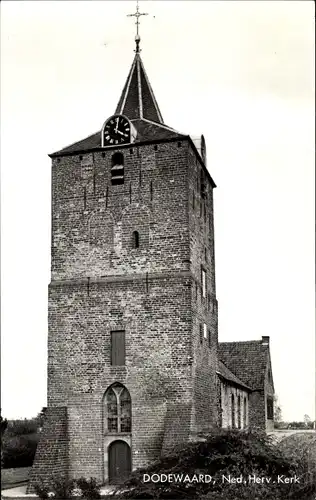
137, 14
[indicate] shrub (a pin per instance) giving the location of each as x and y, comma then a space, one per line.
19, 451
59, 489
22, 427
223, 453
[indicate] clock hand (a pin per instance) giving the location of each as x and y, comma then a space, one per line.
119, 132
117, 120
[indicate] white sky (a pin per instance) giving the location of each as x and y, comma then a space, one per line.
241, 73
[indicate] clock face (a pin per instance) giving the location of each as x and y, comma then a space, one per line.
117, 130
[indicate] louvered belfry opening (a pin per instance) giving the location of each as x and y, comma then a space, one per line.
117, 170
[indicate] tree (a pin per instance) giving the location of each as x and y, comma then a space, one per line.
277, 411
307, 419
4, 425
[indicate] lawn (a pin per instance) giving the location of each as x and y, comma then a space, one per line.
14, 477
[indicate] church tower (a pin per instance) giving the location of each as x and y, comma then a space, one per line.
132, 323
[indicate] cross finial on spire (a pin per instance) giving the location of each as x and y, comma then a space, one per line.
137, 14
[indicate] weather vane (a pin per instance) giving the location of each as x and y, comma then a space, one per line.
137, 14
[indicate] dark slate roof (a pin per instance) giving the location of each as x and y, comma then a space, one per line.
247, 360
224, 372
146, 131
137, 99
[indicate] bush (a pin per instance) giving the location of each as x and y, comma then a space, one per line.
223, 453
19, 451
62, 489
22, 427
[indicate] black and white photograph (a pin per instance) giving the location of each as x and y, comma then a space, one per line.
158, 250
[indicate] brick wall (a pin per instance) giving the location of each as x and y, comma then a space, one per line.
51, 459
204, 308
257, 409
227, 390
100, 283
269, 392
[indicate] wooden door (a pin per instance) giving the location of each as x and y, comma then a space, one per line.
119, 461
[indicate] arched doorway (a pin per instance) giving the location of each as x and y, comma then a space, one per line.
120, 463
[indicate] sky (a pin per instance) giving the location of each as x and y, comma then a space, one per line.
241, 73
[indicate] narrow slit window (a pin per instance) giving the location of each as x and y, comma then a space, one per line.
205, 331
117, 170
203, 279
233, 412
135, 239
239, 412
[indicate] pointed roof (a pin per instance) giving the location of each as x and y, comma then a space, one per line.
246, 359
137, 100
226, 374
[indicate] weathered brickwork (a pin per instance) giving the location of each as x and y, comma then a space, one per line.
93, 221
204, 303
238, 417
133, 314
51, 460
100, 284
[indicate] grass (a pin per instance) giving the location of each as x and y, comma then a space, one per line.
14, 477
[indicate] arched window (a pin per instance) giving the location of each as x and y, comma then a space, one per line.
117, 409
245, 411
233, 411
117, 170
135, 239
239, 412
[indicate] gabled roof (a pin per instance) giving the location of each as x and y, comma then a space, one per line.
137, 100
247, 360
225, 373
146, 131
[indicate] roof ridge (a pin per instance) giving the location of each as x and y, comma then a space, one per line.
75, 142
160, 125
240, 341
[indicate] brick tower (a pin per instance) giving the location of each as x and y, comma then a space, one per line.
132, 324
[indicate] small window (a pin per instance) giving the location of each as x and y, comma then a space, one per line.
117, 170
202, 184
270, 408
245, 411
118, 348
205, 331
203, 280
135, 239
209, 339
201, 334
233, 411
239, 412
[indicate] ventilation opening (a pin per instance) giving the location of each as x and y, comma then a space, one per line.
135, 239
117, 170
202, 184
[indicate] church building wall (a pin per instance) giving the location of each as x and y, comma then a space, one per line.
204, 303
230, 395
102, 284
93, 221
